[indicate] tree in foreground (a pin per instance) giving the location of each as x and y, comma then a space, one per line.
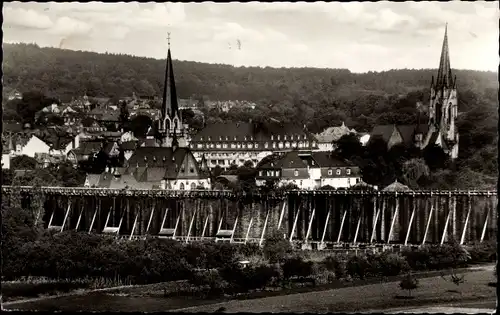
409, 283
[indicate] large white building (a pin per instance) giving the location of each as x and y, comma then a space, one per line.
309, 171
227, 144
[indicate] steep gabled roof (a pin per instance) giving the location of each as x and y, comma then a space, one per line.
383, 131
156, 163
407, 133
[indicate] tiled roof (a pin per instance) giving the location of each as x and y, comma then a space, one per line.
89, 147
128, 181
289, 160
327, 159
396, 186
383, 131
333, 133
164, 160
407, 133
239, 131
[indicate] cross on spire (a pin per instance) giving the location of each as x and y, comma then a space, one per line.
168, 39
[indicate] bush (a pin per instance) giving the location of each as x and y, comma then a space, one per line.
208, 278
297, 267
417, 258
358, 266
483, 252
336, 265
409, 283
250, 249
276, 248
390, 264
260, 277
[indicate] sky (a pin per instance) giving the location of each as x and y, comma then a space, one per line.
372, 36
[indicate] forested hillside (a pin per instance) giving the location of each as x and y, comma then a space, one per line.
318, 98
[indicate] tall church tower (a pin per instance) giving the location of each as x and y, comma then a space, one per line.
171, 130
443, 109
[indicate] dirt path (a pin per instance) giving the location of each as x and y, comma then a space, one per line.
363, 298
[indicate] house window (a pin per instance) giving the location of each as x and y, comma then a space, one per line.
200, 145
224, 145
193, 186
287, 144
233, 145
348, 171
260, 173
201, 138
278, 173
278, 137
272, 138
266, 145
330, 172
296, 172
274, 145
250, 145
181, 186
191, 170
338, 171
209, 139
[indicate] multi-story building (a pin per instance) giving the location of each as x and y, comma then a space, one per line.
227, 144
309, 171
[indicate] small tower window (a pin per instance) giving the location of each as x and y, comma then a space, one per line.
348, 171
338, 171
330, 172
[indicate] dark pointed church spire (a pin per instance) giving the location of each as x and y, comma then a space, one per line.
169, 103
444, 77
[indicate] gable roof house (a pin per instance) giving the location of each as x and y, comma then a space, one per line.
161, 168
35, 145
309, 171
330, 135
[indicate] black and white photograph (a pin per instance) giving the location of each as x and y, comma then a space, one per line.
255, 157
